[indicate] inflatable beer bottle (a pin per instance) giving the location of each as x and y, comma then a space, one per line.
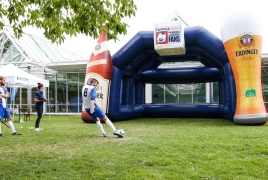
242, 38
99, 66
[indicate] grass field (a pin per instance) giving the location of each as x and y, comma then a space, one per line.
69, 149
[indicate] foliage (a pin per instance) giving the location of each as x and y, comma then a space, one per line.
153, 148
59, 18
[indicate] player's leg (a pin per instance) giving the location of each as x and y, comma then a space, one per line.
111, 125
101, 115
97, 120
39, 111
1, 129
1, 118
6, 114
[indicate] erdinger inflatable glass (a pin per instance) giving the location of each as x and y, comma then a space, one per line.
242, 38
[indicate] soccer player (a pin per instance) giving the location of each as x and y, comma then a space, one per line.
4, 111
89, 96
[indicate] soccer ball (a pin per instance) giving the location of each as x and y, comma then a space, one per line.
121, 131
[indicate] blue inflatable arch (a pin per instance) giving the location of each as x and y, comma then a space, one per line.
136, 63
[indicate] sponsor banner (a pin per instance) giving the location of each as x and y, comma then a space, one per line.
169, 38
22, 79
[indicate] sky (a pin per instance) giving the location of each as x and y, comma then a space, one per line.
206, 13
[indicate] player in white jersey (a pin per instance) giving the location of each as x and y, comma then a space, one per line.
89, 103
4, 111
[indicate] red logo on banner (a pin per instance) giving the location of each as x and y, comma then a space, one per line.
161, 37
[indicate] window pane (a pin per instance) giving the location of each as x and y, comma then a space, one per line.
61, 93
51, 93
183, 93
72, 92
81, 84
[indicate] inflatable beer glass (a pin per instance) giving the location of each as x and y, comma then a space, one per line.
242, 38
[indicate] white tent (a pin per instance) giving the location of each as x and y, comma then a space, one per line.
19, 78
16, 77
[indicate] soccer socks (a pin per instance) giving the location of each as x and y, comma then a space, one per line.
100, 127
11, 126
110, 124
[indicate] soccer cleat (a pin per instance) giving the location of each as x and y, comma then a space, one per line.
1, 135
36, 129
40, 129
104, 135
118, 134
16, 133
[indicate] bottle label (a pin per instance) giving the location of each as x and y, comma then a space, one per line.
103, 91
97, 62
101, 47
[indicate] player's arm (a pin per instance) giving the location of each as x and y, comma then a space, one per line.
43, 98
37, 98
92, 98
5, 95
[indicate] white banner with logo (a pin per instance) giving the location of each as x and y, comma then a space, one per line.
169, 38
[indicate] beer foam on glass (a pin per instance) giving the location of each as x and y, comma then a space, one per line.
242, 38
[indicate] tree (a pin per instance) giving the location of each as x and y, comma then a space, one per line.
59, 18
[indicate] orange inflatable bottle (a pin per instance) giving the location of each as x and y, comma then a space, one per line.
99, 66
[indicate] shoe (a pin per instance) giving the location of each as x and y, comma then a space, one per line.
36, 129
16, 133
104, 135
40, 129
1, 135
118, 134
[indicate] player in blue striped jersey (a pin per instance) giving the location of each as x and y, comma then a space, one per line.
4, 111
89, 95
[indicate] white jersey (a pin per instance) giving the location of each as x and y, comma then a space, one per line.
4, 102
87, 96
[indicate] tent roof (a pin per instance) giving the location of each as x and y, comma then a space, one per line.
17, 77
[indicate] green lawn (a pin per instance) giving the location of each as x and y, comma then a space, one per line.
68, 148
